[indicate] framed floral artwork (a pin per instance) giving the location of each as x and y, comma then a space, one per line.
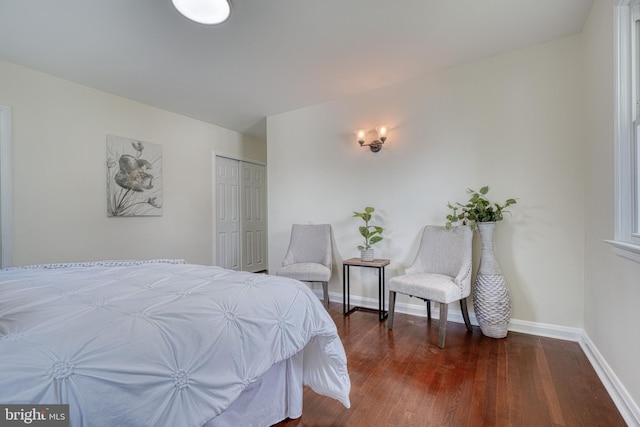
134, 177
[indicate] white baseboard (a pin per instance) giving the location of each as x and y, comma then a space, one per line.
546, 330
622, 399
626, 405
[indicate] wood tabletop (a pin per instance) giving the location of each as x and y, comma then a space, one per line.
359, 262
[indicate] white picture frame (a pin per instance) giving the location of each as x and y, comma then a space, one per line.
134, 177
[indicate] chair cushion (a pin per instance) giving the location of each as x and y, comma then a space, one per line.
306, 271
435, 287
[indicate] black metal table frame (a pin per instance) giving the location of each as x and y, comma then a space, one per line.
346, 303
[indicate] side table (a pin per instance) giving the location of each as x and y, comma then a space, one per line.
380, 264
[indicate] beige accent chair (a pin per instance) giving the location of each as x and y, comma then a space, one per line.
441, 272
308, 258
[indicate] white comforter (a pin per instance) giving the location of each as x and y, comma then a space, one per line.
156, 344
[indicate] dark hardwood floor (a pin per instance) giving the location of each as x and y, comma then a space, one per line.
401, 378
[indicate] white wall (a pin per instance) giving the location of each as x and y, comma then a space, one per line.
612, 284
59, 173
514, 122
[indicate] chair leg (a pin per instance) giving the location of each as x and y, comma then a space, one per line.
325, 293
442, 327
465, 314
392, 309
428, 309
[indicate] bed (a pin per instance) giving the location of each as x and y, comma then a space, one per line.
165, 343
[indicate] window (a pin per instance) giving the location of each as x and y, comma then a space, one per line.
627, 129
633, 151
6, 241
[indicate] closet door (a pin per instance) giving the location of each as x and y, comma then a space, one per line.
253, 211
241, 210
227, 213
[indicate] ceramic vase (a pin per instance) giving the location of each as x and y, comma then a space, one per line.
491, 297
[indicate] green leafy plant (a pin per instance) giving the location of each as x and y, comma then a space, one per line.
477, 209
372, 234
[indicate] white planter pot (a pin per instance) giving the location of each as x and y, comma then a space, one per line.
367, 255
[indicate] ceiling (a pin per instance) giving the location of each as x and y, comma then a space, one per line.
271, 56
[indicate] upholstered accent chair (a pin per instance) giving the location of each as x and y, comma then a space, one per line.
441, 272
308, 258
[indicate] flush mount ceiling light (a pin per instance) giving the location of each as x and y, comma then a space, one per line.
208, 12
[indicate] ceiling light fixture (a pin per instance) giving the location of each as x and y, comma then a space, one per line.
209, 12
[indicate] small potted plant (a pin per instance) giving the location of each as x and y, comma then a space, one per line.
478, 209
372, 234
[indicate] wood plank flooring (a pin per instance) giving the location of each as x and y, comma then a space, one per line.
401, 378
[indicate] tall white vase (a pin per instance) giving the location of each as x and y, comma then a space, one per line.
491, 298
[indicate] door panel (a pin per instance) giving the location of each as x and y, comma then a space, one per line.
241, 207
253, 210
227, 213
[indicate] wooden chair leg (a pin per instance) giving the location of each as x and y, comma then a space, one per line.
428, 309
465, 314
392, 309
325, 293
442, 327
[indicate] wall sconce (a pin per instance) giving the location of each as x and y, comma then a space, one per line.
375, 145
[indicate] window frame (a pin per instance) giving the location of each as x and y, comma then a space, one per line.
6, 207
626, 241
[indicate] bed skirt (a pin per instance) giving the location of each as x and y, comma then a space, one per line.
277, 395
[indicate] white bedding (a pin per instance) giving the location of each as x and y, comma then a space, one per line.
156, 343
